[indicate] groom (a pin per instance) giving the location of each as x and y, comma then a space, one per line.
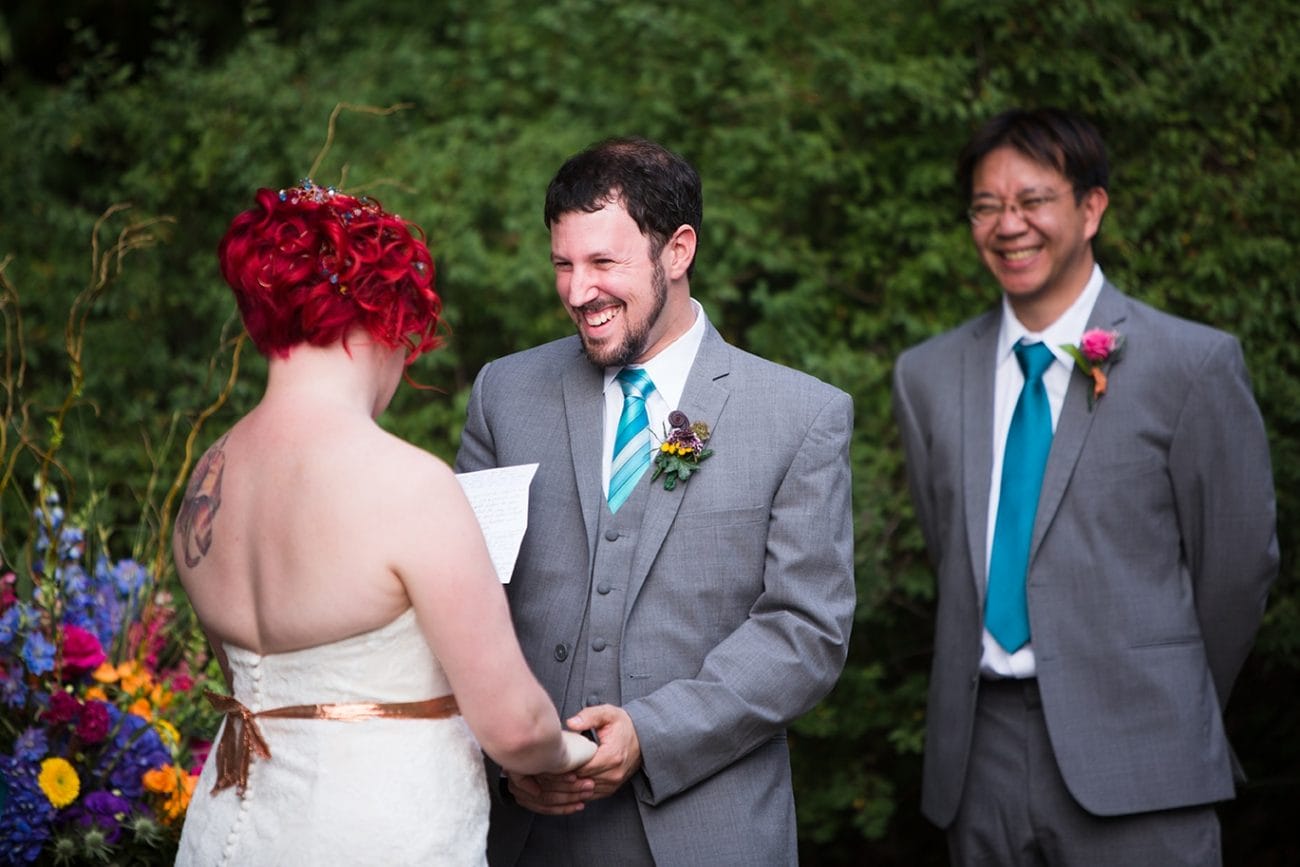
685, 619
1102, 524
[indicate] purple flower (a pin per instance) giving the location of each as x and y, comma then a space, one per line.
104, 810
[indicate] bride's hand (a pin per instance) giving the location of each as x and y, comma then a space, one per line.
578, 750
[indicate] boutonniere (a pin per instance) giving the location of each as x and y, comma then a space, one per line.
1096, 352
681, 451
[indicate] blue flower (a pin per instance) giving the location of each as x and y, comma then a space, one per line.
25, 819
13, 692
32, 745
137, 748
130, 576
38, 654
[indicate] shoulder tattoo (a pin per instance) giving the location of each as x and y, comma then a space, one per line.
202, 500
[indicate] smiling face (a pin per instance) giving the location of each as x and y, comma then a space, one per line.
1041, 254
627, 305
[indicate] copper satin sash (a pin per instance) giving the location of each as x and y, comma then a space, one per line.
242, 738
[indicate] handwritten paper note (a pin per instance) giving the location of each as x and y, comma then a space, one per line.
499, 498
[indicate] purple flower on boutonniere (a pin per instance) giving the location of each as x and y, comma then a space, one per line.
1097, 350
681, 451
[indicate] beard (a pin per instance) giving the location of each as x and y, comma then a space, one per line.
637, 334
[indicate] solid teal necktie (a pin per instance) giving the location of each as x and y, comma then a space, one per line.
1029, 439
632, 441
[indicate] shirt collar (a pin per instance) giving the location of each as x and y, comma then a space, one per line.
1068, 328
669, 368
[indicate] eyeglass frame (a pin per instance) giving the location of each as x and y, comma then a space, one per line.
1025, 207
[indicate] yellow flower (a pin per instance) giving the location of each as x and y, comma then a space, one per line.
59, 781
168, 732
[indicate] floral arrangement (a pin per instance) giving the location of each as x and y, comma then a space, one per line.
681, 451
95, 697
1094, 354
102, 670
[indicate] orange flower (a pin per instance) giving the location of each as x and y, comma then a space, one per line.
141, 708
161, 780
96, 693
177, 785
106, 673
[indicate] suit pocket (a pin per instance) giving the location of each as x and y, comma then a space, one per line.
720, 518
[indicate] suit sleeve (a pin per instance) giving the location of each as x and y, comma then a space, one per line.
916, 455
1223, 484
476, 451
790, 650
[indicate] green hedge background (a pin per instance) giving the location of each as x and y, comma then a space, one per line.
833, 238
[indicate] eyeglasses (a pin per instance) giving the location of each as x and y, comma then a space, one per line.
985, 212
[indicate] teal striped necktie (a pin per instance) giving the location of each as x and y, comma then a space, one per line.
632, 442
1029, 439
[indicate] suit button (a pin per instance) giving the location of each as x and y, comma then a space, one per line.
593, 699
603, 588
561, 653
611, 535
598, 645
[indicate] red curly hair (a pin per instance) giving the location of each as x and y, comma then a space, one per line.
308, 264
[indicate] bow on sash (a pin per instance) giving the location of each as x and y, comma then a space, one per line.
242, 738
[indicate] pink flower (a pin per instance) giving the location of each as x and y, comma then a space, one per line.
1098, 344
93, 725
81, 650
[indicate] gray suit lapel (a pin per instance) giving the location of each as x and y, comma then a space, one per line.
702, 400
584, 412
977, 373
1075, 422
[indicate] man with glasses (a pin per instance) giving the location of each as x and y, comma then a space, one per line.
1093, 483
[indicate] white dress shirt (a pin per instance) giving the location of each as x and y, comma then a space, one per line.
1009, 380
668, 370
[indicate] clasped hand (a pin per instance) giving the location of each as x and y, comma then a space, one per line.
618, 757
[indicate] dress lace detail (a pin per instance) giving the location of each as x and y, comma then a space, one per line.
381, 790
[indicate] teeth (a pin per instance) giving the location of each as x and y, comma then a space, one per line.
600, 317
1018, 255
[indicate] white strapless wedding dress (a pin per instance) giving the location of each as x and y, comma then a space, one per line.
369, 792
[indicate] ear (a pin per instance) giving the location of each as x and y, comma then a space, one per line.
1094, 206
680, 252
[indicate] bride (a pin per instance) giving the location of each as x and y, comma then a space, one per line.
341, 576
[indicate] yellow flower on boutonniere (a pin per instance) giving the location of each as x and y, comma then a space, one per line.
1097, 350
681, 451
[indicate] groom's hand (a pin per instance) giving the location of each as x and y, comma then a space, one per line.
618, 750
550, 794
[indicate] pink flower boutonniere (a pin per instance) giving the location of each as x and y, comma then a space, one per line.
1096, 352
681, 451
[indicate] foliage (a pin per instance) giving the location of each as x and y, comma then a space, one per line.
833, 238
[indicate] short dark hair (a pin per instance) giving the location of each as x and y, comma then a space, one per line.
660, 189
1048, 136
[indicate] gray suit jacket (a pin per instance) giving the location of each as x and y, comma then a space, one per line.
738, 613
1152, 554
